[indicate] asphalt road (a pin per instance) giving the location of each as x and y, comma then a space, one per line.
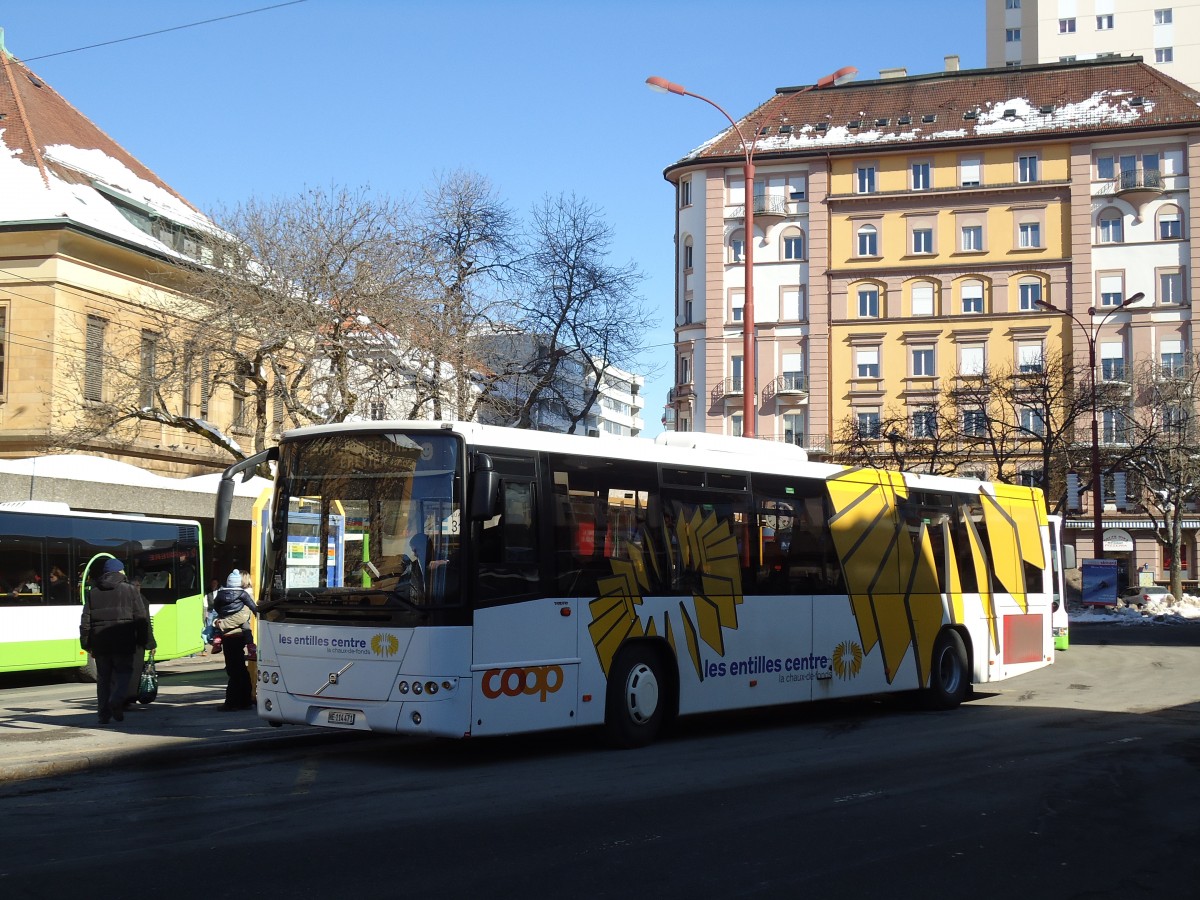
1081, 780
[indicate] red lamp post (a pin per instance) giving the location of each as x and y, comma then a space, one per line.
749, 361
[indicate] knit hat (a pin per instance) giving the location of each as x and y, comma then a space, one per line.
113, 565
234, 580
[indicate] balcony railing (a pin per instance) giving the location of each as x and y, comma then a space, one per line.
813, 443
1179, 372
683, 391
793, 384
767, 206
730, 387
1132, 181
1137, 186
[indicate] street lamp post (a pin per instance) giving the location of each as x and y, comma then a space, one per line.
749, 361
1090, 336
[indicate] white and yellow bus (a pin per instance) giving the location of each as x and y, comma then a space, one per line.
455, 579
48, 554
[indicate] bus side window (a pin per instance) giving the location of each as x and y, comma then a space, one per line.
799, 558
604, 512
508, 546
21, 561
687, 518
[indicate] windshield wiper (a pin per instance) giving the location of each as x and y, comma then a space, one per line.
392, 595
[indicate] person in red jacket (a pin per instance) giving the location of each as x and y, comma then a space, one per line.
114, 622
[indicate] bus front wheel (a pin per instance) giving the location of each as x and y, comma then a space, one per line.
949, 676
636, 698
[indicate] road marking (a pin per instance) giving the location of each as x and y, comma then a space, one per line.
306, 777
865, 795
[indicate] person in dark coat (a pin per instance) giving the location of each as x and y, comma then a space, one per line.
138, 657
233, 606
113, 623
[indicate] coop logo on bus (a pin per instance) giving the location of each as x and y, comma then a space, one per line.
541, 680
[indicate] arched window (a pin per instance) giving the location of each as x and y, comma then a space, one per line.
868, 241
687, 253
792, 245
924, 298
971, 292
1111, 228
867, 299
1030, 294
737, 246
1170, 223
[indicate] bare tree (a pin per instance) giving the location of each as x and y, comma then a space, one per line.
282, 318
583, 309
1020, 422
1164, 440
914, 441
469, 236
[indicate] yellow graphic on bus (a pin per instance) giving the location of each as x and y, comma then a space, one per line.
385, 644
890, 566
887, 554
704, 546
847, 659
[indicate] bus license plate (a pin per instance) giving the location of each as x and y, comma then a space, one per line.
337, 717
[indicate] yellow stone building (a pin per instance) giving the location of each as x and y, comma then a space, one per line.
92, 247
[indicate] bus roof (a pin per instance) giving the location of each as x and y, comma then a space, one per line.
696, 450
685, 449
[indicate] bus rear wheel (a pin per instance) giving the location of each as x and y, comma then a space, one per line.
949, 676
87, 672
636, 701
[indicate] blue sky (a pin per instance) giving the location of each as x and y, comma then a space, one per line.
539, 96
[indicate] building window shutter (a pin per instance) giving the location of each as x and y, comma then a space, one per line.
93, 370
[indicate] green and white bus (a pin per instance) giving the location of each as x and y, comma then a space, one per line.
48, 554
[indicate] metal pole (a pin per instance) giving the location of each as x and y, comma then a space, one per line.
1097, 487
749, 363
749, 350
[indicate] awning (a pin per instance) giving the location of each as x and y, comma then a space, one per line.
1126, 523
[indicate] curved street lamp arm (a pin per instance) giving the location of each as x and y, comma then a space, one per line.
661, 84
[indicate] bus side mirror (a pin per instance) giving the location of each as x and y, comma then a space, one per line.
485, 489
225, 488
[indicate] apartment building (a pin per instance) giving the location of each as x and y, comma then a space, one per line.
1165, 33
909, 232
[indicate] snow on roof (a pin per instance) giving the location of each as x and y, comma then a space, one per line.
1101, 108
103, 168
1036, 101
1019, 115
29, 198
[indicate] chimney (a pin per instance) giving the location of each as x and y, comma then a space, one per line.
900, 72
952, 62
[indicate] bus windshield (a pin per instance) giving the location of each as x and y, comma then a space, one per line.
365, 524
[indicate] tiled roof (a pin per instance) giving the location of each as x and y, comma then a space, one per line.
970, 106
52, 158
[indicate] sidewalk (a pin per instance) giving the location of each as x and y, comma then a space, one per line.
52, 729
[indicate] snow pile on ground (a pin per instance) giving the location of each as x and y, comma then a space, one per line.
1157, 612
